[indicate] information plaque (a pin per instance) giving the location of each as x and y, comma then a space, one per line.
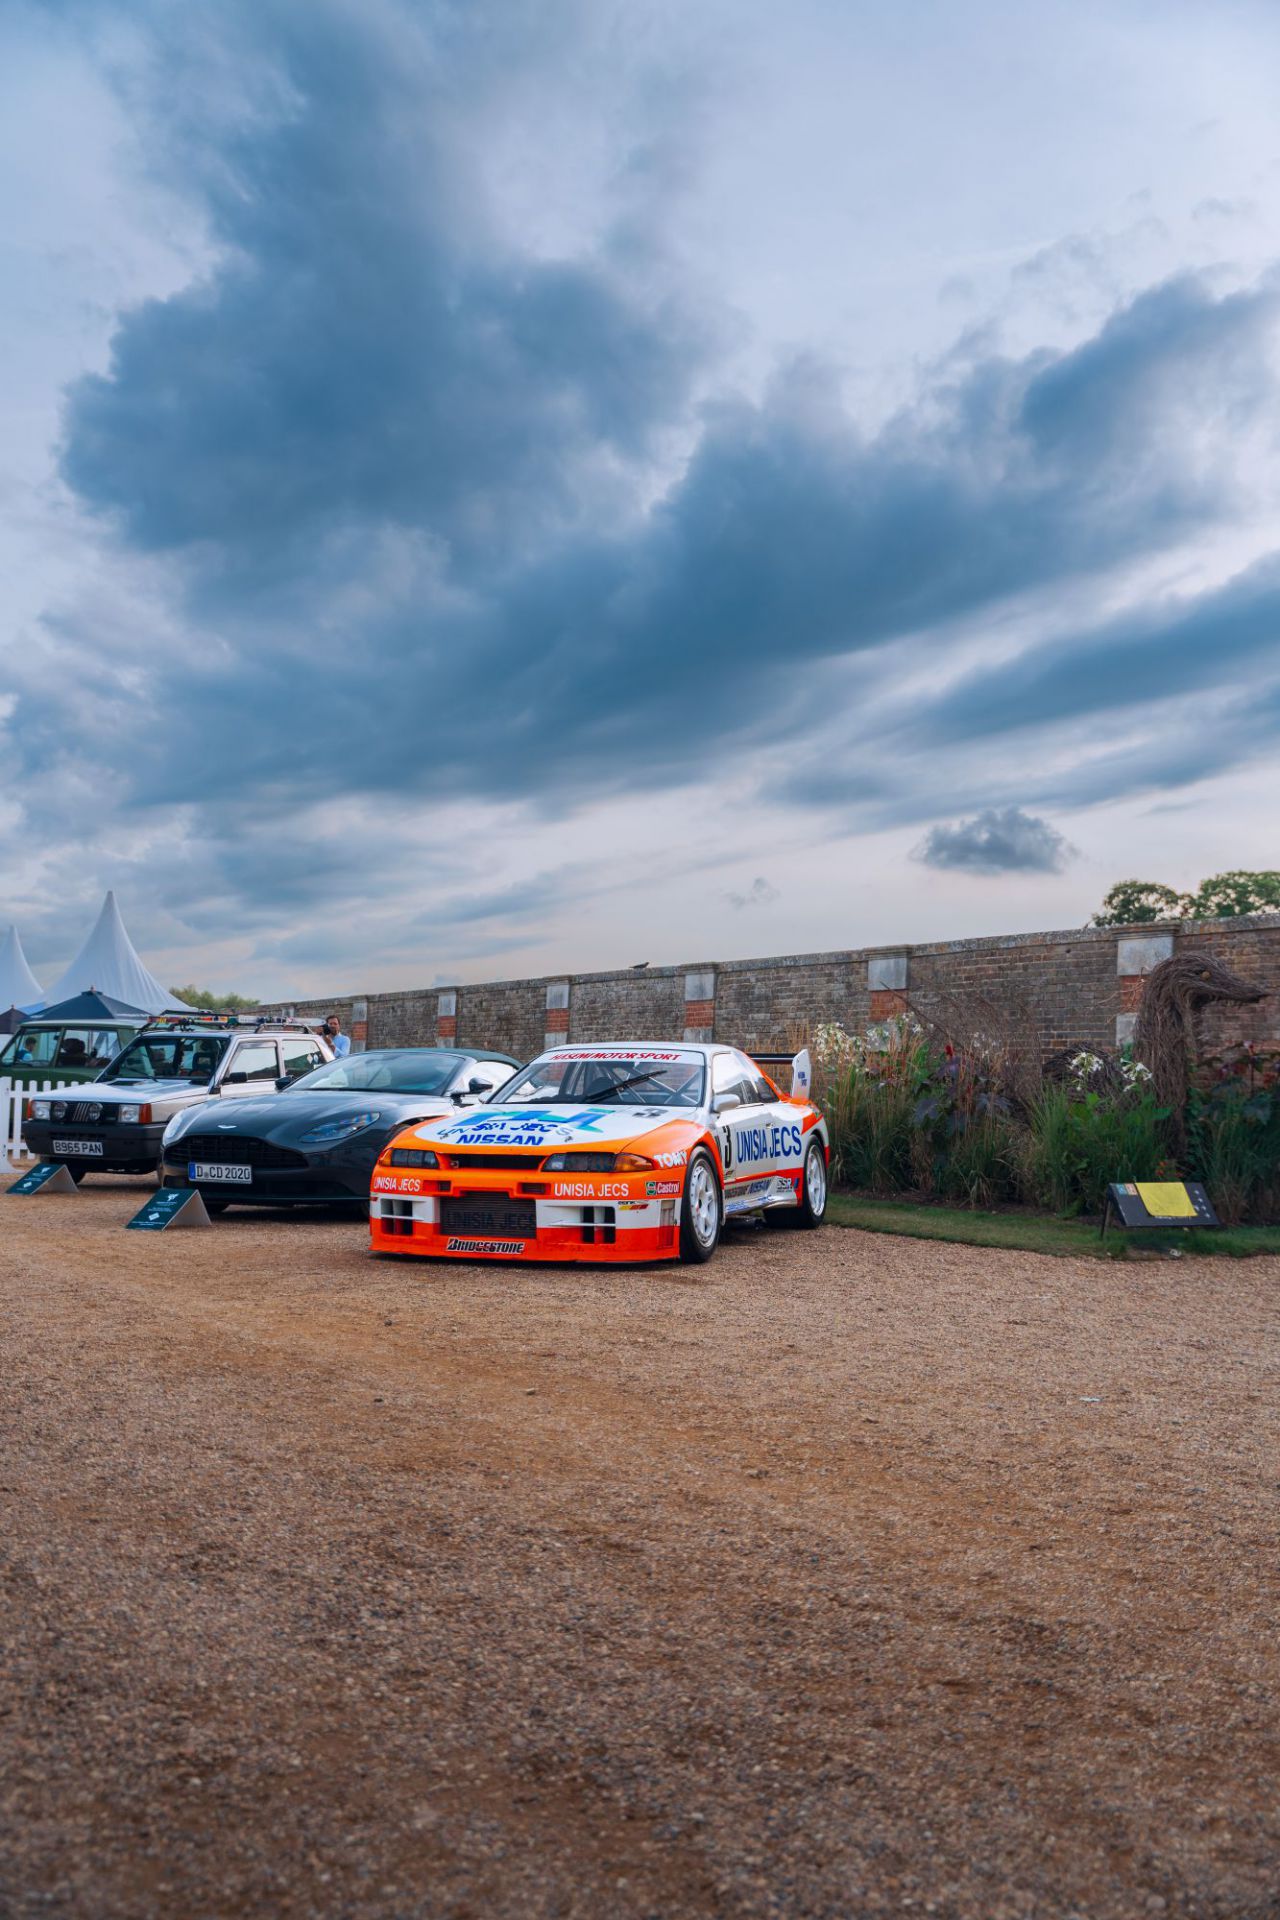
1158, 1203
49, 1176
171, 1207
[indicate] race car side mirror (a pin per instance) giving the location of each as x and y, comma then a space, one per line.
480, 1086
726, 1101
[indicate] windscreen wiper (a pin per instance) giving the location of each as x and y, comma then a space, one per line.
634, 1080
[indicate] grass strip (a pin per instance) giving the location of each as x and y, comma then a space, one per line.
1036, 1232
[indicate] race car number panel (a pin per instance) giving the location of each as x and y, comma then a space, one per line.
480, 1218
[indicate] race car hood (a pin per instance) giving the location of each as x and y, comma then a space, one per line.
567, 1125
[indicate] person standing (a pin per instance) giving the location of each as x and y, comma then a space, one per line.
337, 1039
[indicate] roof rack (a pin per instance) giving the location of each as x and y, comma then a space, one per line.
226, 1023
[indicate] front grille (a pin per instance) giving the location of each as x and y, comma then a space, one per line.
489, 1217
527, 1162
240, 1147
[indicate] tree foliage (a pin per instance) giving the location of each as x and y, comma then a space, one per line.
1224, 896
209, 1002
1134, 903
1228, 894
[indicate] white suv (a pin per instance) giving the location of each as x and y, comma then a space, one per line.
114, 1124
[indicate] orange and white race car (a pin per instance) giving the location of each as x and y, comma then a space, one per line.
604, 1153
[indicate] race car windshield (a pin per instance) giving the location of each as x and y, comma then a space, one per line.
675, 1081
389, 1072
169, 1056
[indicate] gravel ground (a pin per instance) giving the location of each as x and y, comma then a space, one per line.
847, 1576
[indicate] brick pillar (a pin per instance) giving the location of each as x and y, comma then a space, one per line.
1136, 957
557, 1027
887, 985
700, 1006
447, 1018
359, 1025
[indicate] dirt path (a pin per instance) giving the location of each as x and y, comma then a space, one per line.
847, 1576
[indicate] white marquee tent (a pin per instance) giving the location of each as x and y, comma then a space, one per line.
109, 961
18, 985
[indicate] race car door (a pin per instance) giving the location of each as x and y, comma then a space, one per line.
750, 1133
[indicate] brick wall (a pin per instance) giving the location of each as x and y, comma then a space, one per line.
1083, 986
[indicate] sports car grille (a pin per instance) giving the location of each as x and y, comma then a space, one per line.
527, 1162
241, 1147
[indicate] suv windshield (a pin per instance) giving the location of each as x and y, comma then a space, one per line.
630, 1079
410, 1071
170, 1056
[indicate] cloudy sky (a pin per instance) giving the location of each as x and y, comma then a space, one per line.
523, 485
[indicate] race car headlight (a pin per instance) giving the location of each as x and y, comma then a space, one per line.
42, 1109
413, 1157
134, 1116
329, 1132
597, 1163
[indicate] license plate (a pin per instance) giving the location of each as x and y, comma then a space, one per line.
228, 1170
496, 1219
63, 1147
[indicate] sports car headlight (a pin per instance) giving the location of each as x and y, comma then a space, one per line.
329, 1132
178, 1125
413, 1157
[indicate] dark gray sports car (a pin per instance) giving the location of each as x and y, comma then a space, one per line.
319, 1137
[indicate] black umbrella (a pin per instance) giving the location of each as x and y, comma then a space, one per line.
89, 1007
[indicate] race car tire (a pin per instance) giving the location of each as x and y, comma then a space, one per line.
813, 1188
701, 1210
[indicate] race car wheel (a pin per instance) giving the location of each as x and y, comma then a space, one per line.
813, 1187
701, 1210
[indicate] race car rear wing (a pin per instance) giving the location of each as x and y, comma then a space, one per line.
801, 1070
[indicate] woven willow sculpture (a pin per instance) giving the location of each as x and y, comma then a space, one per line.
1169, 1038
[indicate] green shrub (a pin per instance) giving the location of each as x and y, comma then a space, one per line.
1079, 1142
911, 1113
981, 1164
1233, 1137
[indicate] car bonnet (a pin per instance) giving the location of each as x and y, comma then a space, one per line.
551, 1126
294, 1111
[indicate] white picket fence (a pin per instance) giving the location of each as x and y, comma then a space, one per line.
13, 1106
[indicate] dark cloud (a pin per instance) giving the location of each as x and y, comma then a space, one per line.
789, 539
1003, 841
761, 893
365, 353
1173, 647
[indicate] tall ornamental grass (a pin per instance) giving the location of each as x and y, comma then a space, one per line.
912, 1113
1077, 1142
1233, 1134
